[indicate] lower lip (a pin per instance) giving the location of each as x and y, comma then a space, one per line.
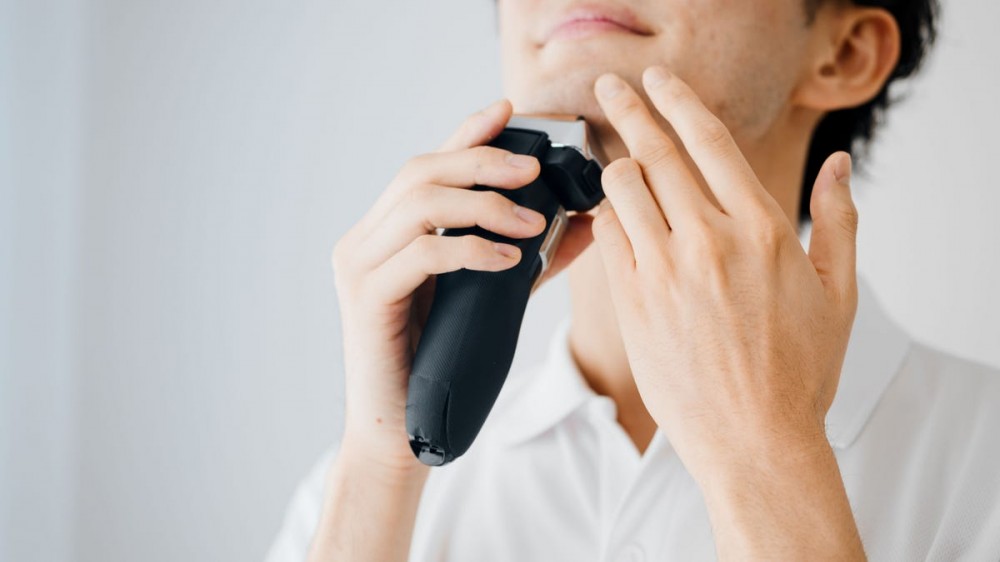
579, 29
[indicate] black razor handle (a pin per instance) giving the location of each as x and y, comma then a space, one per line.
467, 345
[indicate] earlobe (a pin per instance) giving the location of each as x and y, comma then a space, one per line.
854, 61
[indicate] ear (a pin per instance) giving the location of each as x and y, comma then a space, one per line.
854, 51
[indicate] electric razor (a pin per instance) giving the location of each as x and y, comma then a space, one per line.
467, 345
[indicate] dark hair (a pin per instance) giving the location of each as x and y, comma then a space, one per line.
852, 129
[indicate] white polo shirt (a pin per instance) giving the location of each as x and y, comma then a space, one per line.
553, 477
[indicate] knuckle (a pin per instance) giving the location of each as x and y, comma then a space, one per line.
769, 233
499, 200
496, 204
605, 218
484, 153
420, 197
413, 167
705, 246
420, 201
630, 105
493, 209
849, 219
342, 255
482, 157
474, 248
713, 133
699, 227
708, 257
702, 244
657, 153
618, 171
423, 245
425, 249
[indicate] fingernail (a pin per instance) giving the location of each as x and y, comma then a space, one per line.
527, 215
505, 250
520, 160
842, 170
655, 75
608, 85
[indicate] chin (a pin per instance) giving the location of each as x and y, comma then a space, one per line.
560, 91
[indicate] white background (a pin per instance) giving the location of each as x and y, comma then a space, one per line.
174, 176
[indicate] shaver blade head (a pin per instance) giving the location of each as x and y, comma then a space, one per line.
564, 130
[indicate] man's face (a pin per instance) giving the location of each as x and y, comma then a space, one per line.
742, 56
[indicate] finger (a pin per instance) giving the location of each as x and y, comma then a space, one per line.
616, 250
707, 140
673, 185
833, 242
480, 165
430, 207
634, 206
430, 254
480, 127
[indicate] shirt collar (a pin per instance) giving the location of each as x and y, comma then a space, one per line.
875, 353
553, 391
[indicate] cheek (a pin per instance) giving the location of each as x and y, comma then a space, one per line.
516, 21
745, 65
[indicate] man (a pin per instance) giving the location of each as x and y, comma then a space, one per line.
719, 391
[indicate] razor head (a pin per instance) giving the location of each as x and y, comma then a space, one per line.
569, 167
563, 130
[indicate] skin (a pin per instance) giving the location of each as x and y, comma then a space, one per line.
696, 309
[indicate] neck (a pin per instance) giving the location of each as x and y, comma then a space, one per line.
594, 337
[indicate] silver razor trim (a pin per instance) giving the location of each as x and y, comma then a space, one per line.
564, 131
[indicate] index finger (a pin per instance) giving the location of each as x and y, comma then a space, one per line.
706, 139
675, 188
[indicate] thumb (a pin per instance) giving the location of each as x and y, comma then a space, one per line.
833, 243
480, 127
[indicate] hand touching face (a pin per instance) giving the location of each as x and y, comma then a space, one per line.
735, 335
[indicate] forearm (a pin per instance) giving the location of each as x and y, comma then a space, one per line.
368, 511
786, 503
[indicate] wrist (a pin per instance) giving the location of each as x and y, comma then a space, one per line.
765, 460
369, 506
781, 501
769, 450
358, 453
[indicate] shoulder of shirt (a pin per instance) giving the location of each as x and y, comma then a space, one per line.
943, 404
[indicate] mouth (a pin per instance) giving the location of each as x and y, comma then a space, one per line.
587, 20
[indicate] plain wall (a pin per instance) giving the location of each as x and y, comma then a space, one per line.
42, 73
175, 176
